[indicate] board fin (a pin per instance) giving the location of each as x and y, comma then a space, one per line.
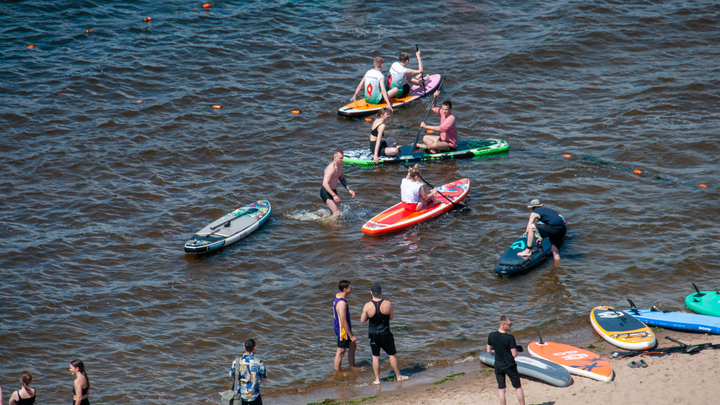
541, 339
699, 294
633, 308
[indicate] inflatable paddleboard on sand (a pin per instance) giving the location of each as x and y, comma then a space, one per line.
361, 108
540, 369
574, 359
230, 228
704, 302
465, 150
396, 217
621, 329
676, 320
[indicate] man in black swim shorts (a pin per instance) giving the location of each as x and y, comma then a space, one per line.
548, 224
503, 345
333, 174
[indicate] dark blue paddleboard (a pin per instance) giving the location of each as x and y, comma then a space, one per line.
510, 264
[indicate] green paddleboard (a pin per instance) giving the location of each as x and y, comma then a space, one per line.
704, 302
466, 149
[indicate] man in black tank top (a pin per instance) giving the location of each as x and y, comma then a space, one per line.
379, 312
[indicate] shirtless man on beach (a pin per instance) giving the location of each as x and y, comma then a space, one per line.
333, 174
379, 312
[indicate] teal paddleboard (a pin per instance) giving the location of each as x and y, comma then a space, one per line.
465, 150
704, 302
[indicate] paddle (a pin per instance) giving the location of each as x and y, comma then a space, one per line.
422, 78
454, 204
417, 137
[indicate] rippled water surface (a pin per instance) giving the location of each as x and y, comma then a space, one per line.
112, 156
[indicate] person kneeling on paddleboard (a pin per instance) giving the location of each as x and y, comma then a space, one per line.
400, 78
448, 139
548, 224
415, 196
378, 146
374, 84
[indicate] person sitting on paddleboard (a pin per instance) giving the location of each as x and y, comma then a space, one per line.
415, 196
374, 84
548, 224
448, 138
378, 146
333, 174
400, 78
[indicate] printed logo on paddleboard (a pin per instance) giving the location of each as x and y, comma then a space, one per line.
571, 355
532, 362
519, 245
610, 314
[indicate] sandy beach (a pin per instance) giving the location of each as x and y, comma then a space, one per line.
677, 378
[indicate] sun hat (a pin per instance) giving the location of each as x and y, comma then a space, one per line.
535, 203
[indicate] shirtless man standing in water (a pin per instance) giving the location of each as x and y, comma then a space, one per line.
333, 173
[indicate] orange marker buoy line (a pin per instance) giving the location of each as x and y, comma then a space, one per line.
31, 46
138, 101
637, 171
206, 5
217, 106
147, 19
703, 186
368, 119
88, 31
296, 111
429, 131
567, 155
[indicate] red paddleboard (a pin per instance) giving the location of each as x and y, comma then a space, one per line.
396, 217
574, 359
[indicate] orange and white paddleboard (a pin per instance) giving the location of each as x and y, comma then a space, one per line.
396, 217
574, 359
361, 108
621, 329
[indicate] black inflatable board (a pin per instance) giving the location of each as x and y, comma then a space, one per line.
510, 264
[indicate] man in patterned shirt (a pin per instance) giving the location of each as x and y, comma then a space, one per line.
252, 371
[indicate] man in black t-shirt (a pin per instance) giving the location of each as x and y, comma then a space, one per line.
503, 345
549, 224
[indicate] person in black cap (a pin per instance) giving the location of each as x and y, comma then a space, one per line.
549, 224
379, 312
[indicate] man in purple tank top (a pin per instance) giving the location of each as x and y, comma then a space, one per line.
343, 328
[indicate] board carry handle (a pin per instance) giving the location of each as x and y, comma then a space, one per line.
454, 204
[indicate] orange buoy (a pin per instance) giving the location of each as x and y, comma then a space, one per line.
567, 155
138, 101
368, 119
62, 95
216, 106
147, 19
31, 46
88, 31
429, 131
703, 186
296, 111
206, 5
637, 171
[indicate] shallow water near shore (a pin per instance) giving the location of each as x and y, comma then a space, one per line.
113, 156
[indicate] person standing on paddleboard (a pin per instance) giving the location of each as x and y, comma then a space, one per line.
400, 78
503, 345
379, 312
343, 328
333, 173
378, 146
374, 84
548, 224
448, 139
415, 196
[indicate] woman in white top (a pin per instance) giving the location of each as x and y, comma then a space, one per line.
378, 145
415, 196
